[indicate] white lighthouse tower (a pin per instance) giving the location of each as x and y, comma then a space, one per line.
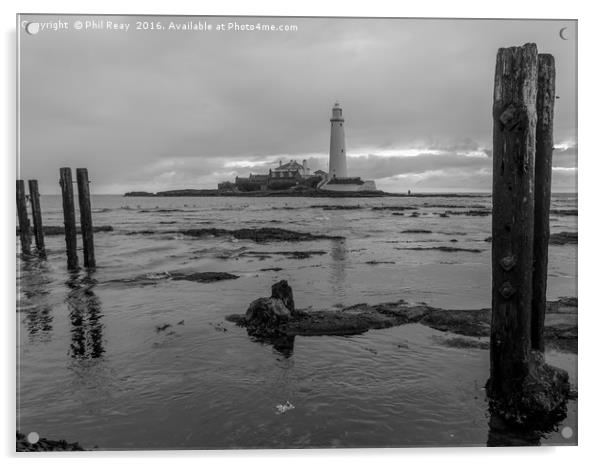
338, 179
338, 154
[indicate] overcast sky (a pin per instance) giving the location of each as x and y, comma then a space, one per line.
157, 110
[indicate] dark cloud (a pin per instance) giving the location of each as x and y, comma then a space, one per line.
161, 110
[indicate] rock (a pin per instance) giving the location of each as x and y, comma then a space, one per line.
44, 444
259, 235
52, 230
284, 293
454, 206
441, 248
564, 237
288, 254
203, 277
155, 278
471, 213
394, 208
569, 212
537, 402
461, 342
139, 194
568, 301
268, 319
461, 322
336, 207
265, 315
416, 231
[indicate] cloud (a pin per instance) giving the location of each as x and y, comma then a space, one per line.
173, 110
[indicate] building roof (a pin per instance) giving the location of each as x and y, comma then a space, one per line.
291, 166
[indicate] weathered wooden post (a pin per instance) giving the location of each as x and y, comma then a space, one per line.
24, 228
514, 122
69, 217
544, 147
83, 191
522, 388
36, 214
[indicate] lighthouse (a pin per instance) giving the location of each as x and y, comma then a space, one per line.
338, 154
338, 179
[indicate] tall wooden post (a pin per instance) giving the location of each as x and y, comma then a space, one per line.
544, 147
69, 217
36, 214
24, 228
83, 191
514, 125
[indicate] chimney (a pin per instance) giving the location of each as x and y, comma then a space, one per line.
304, 167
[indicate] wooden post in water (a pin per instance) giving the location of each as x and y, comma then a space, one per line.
544, 147
69, 217
36, 214
83, 191
514, 125
24, 228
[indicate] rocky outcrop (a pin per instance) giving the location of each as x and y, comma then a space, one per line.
52, 230
440, 248
154, 278
259, 235
564, 237
288, 254
271, 317
139, 194
202, 277
44, 444
284, 293
268, 317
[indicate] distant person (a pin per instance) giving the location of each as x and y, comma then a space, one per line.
409, 192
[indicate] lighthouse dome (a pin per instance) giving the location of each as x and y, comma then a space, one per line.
337, 112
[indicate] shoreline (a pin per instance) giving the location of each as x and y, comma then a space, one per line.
287, 193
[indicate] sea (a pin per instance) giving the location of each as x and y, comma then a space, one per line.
124, 357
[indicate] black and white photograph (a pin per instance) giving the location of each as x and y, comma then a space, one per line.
295, 232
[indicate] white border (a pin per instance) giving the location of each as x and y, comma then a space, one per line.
589, 174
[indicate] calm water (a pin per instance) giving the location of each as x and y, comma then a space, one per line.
93, 368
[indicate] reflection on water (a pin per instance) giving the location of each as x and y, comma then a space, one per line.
34, 278
33, 302
85, 316
38, 322
283, 344
338, 266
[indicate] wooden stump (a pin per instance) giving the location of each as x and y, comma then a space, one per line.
24, 227
36, 214
83, 191
69, 217
544, 147
522, 388
514, 121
